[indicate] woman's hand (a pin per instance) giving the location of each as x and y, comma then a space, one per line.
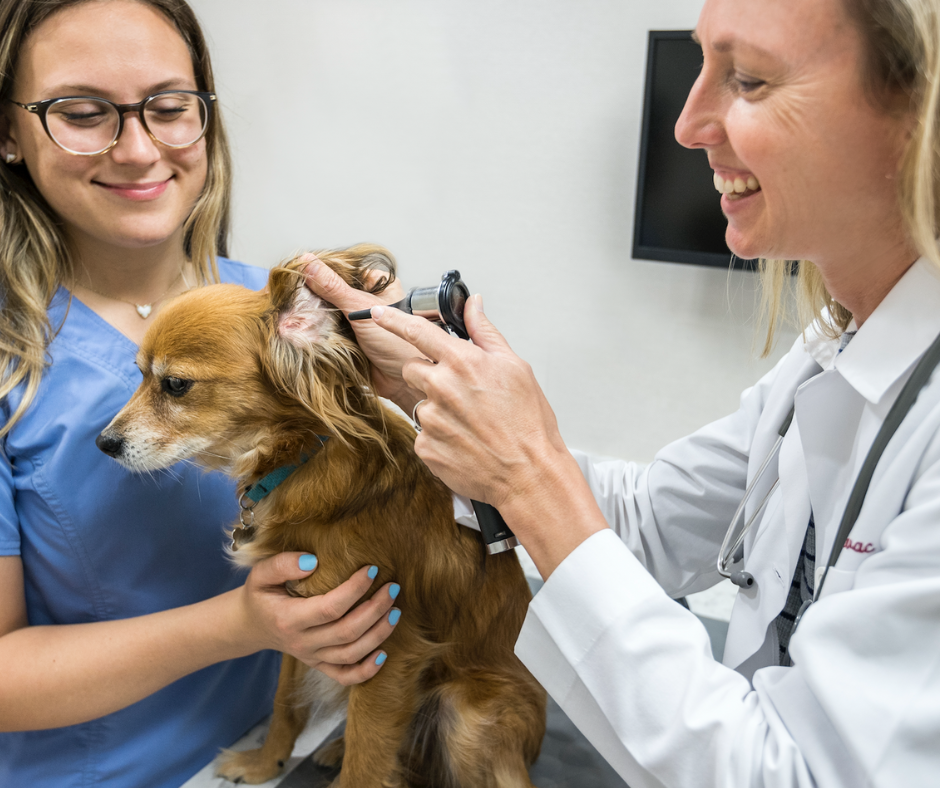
387, 352
321, 631
489, 433
486, 425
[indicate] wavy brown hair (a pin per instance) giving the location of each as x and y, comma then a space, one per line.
902, 41
35, 255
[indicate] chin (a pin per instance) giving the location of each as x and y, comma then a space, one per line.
140, 236
747, 248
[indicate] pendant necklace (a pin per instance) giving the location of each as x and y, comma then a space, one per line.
143, 310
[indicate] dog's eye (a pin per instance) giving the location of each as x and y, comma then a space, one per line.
176, 387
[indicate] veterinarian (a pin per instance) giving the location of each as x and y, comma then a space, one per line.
821, 120
129, 646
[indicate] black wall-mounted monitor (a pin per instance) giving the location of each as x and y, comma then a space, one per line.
678, 213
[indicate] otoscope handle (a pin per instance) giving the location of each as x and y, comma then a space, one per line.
496, 533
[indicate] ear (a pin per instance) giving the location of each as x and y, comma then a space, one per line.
303, 319
8, 143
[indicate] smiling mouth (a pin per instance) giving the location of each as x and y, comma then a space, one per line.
137, 191
737, 187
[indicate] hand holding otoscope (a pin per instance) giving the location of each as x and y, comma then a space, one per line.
443, 305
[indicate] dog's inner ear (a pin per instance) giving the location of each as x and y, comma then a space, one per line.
305, 319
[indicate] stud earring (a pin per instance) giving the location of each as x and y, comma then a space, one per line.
10, 158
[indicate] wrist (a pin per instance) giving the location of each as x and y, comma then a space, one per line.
553, 510
235, 630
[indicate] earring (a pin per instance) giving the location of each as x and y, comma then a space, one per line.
10, 158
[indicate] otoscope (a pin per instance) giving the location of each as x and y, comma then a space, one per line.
443, 305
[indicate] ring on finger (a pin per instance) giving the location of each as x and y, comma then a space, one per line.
414, 414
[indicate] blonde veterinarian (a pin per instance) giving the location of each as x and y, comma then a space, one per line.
820, 119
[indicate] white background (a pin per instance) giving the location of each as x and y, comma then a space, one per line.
499, 137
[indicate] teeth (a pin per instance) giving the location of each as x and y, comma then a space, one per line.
736, 185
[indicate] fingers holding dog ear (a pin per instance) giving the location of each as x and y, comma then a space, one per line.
385, 351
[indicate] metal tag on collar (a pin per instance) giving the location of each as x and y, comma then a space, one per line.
242, 536
246, 533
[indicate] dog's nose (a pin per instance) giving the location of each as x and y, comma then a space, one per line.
109, 444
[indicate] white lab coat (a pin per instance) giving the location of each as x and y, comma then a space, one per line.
861, 705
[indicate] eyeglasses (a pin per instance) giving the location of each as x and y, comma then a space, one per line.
88, 126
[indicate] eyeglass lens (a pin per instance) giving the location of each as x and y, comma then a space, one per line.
87, 125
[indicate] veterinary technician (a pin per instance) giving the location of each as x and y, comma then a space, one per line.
820, 119
128, 644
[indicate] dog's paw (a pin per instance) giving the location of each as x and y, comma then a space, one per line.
330, 754
250, 766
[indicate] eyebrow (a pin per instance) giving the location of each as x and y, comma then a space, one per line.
725, 46
91, 90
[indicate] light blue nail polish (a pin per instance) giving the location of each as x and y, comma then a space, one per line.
307, 562
380, 659
393, 590
373, 571
393, 617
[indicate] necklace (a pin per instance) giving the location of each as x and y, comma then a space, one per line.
143, 310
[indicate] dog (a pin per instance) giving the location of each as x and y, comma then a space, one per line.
251, 382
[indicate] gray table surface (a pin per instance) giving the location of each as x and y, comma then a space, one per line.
567, 761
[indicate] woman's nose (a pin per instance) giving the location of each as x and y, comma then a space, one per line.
135, 145
701, 124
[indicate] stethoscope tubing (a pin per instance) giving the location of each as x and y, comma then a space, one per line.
728, 557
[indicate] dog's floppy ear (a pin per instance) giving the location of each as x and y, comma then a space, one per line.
301, 315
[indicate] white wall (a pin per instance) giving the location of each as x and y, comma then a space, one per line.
500, 138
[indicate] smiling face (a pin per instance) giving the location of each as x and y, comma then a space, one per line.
140, 192
781, 110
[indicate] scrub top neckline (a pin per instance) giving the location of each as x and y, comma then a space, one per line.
72, 299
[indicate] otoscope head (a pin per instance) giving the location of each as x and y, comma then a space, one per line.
442, 304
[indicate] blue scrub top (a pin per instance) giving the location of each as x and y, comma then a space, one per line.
100, 543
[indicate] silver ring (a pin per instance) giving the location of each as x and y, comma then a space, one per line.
414, 414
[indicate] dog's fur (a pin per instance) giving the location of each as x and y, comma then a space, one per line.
264, 374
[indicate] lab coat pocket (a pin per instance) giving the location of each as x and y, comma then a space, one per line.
837, 580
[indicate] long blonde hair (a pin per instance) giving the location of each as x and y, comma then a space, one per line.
35, 256
902, 39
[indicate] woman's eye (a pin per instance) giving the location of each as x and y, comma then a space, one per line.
90, 118
167, 113
746, 84
176, 387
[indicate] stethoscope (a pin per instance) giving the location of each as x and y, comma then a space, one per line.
735, 553
732, 548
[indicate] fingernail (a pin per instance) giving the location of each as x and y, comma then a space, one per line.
373, 571
307, 562
479, 303
377, 312
313, 269
393, 617
380, 659
393, 590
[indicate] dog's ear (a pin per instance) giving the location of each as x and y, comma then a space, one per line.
302, 316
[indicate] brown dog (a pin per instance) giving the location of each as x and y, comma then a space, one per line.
251, 382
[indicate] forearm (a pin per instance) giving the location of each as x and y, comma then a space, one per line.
53, 676
552, 509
